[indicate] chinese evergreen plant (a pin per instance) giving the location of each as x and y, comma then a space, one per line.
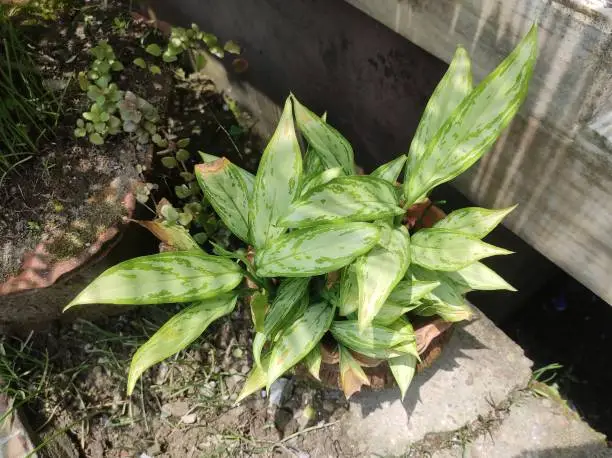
330, 253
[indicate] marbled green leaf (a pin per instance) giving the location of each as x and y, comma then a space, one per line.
408, 292
374, 341
441, 249
380, 270
256, 379
474, 221
171, 234
174, 276
330, 146
299, 339
259, 306
450, 91
224, 187
277, 182
403, 368
475, 124
290, 302
316, 250
320, 179
446, 302
178, 332
348, 297
313, 361
258, 344
477, 276
247, 177
391, 170
347, 198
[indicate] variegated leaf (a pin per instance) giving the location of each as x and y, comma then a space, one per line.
477, 276
331, 147
247, 177
353, 198
348, 298
178, 332
257, 378
441, 249
320, 179
409, 346
352, 376
476, 123
290, 302
258, 344
315, 251
408, 292
277, 182
259, 306
379, 271
391, 170
299, 339
446, 302
174, 276
450, 91
374, 342
313, 362
172, 235
474, 221
403, 369
391, 312
224, 187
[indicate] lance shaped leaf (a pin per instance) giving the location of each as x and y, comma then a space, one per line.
332, 148
379, 271
352, 376
171, 235
320, 179
224, 187
259, 305
313, 360
477, 276
247, 177
258, 344
476, 123
441, 249
312, 162
174, 276
299, 339
446, 302
391, 170
403, 368
409, 346
178, 332
376, 341
256, 380
277, 182
391, 312
408, 292
474, 221
450, 91
348, 297
316, 250
348, 198
290, 302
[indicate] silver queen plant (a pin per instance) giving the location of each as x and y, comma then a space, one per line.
307, 216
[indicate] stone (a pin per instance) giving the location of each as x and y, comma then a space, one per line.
535, 427
176, 408
189, 419
278, 391
479, 367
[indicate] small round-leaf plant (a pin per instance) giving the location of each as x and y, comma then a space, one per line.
328, 251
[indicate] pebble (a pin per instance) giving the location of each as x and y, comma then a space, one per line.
176, 409
277, 391
329, 406
189, 419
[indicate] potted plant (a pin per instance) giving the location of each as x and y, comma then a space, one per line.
333, 257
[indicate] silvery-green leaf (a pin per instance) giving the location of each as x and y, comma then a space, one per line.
259, 305
313, 362
450, 91
348, 297
257, 378
476, 123
441, 249
391, 170
409, 346
299, 339
316, 250
403, 369
352, 376
408, 292
331, 147
477, 276
258, 344
178, 332
277, 182
347, 198
174, 276
320, 179
247, 177
474, 221
288, 304
446, 302
172, 235
312, 163
373, 337
391, 312
379, 271
225, 189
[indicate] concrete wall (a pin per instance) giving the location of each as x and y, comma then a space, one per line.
374, 84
